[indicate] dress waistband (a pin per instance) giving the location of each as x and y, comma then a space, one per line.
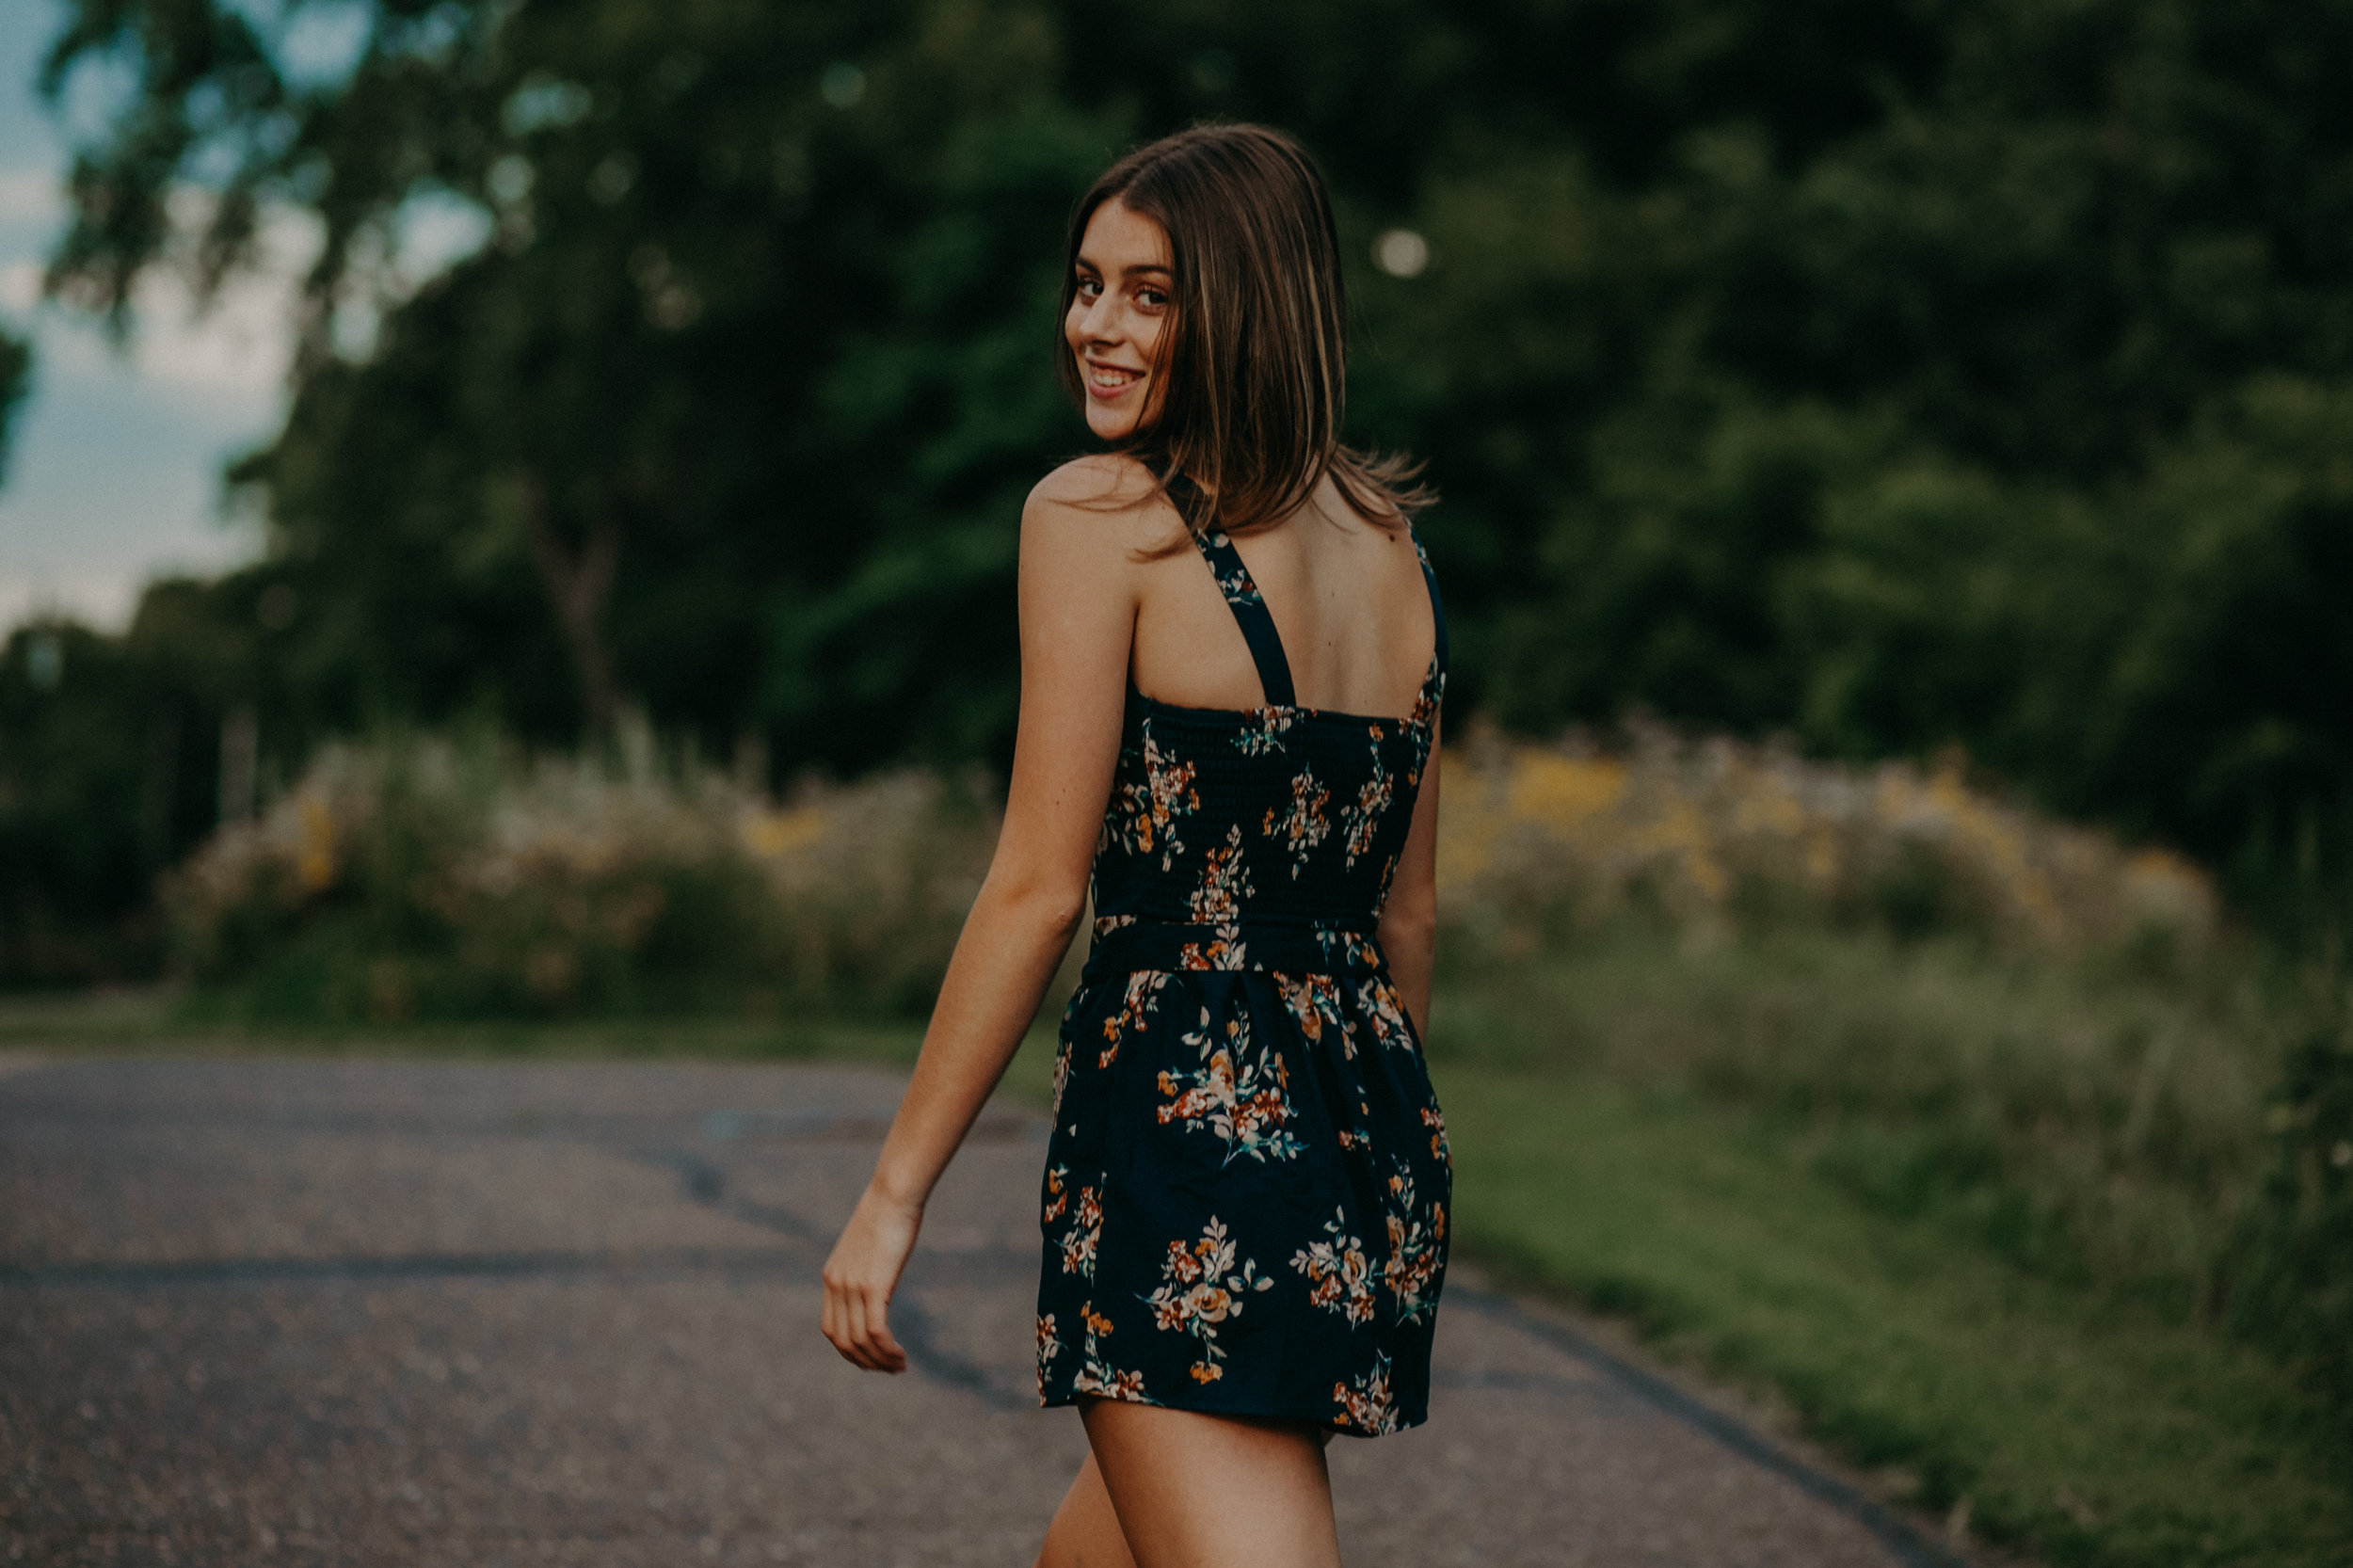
1125, 943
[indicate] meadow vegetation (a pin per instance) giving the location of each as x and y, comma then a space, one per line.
1987, 1145
448, 881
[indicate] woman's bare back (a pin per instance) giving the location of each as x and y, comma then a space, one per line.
1347, 596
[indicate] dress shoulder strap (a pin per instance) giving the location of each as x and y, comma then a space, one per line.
1241, 594
1433, 684
1250, 611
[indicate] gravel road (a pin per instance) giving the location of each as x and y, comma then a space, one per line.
402, 1312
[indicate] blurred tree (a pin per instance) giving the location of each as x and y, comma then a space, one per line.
16, 379
745, 380
1900, 374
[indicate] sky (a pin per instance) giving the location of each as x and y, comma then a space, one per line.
113, 472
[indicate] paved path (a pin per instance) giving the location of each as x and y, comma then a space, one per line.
422, 1314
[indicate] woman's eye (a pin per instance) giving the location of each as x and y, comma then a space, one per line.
1152, 297
1089, 288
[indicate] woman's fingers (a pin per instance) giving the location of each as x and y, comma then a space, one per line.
889, 1358
837, 1325
879, 1351
855, 1319
854, 1300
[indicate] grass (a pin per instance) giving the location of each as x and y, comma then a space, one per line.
2088, 1122
2093, 1429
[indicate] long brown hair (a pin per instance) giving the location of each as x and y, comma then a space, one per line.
1254, 362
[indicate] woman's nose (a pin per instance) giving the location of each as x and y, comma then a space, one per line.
1101, 320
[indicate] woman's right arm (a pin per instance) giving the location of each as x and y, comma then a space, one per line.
1078, 587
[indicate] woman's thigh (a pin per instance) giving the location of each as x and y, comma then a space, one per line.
1194, 1490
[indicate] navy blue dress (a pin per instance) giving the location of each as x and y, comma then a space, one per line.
1246, 1188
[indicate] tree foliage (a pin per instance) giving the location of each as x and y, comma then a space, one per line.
1902, 376
16, 377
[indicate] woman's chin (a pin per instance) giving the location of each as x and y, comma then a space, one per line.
1112, 424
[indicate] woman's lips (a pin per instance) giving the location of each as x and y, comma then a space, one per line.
1111, 381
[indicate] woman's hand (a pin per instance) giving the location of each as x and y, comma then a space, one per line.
859, 1279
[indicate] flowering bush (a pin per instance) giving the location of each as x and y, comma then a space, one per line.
1553, 839
429, 879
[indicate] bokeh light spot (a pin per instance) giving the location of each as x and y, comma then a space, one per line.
1401, 253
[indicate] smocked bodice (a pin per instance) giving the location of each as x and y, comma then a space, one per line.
1263, 838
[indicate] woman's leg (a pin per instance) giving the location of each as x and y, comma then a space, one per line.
1194, 1490
1085, 1531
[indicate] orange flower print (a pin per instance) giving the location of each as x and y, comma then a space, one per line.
1263, 730
1096, 1375
1363, 820
1225, 884
1142, 817
1201, 1287
1241, 1097
1426, 705
1057, 1195
1226, 950
1236, 585
1062, 1074
1078, 1244
1368, 1407
1143, 999
1385, 1012
1338, 1278
1436, 1121
1304, 826
1415, 1250
1347, 947
1047, 1348
1314, 1002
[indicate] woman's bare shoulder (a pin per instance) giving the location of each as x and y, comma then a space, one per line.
1107, 482
1105, 502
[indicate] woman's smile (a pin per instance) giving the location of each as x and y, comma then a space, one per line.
1110, 382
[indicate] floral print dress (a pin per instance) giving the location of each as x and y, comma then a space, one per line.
1246, 1187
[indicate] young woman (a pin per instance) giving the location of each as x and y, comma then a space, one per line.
1232, 656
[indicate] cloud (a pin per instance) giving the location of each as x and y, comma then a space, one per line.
30, 196
20, 285
238, 343
241, 342
102, 599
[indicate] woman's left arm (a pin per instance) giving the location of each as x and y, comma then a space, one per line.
1078, 600
1409, 922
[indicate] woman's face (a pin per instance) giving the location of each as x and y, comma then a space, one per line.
1116, 317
